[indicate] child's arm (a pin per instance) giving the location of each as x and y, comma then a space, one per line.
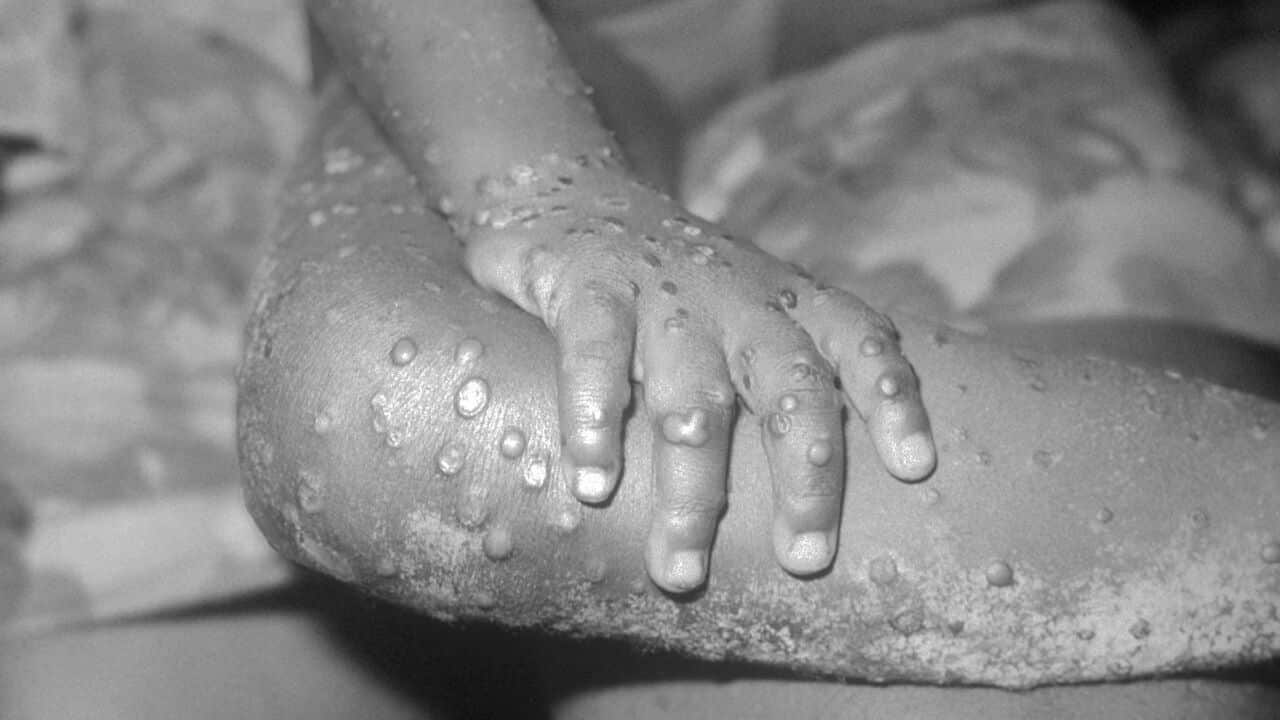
481, 104
1087, 521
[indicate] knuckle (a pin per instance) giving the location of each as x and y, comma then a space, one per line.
693, 510
589, 424
814, 487
714, 396
718, 396
591, 356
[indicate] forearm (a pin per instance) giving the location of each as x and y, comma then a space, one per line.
465, 90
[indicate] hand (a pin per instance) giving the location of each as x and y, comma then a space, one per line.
634, 288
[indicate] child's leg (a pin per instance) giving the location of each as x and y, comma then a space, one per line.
1087, 520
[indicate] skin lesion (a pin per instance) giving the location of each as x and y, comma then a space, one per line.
999, 559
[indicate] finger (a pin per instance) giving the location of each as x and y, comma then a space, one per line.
788, 383
595, 328
876, 376
691, 404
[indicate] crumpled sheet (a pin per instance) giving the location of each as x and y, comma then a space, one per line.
1019, 167
142, 145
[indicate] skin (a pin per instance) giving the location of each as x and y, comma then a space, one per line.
486, 111
1088, 520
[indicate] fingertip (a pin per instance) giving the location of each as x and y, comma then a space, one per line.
677, 572
914, 457
805, 553
592, 484
685, 571
900, 433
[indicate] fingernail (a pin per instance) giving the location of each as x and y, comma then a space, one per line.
916, 456
686, 569
592, 484
809, 552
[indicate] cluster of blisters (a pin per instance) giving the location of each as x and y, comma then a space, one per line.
525, 194
470, 400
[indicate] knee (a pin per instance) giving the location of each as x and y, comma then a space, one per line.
371, 373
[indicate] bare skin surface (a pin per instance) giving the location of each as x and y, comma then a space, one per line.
486, 111
405, 441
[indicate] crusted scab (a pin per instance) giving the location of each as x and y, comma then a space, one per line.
522, 175
691, 428
1260, 430
613, 224
1140, 629
403, 351
999, 574
310, 492
1199, 518
468, 351
379, 403
472, 397
472, 508
787, 299
451, 457
341, 160
615, 202
537, 472
669, 287
567, 518
513, 443
1044, 459
779, 424
909, 621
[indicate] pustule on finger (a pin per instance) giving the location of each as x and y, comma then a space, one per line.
809, 401
889, 386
